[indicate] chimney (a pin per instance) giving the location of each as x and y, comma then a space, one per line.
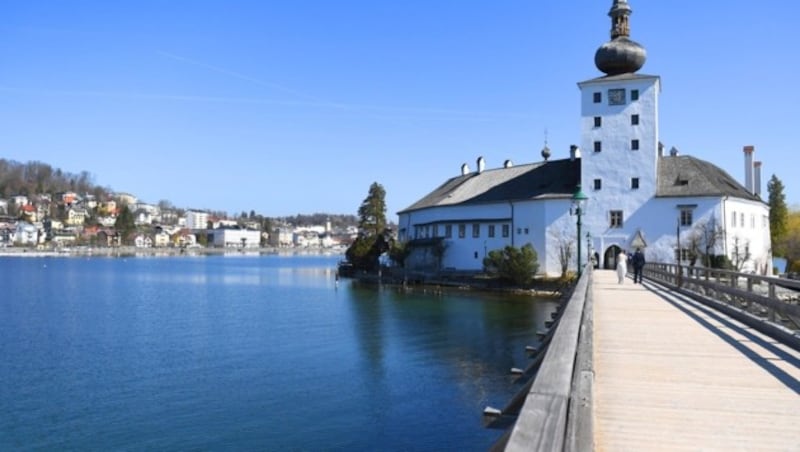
508, 164
757, 171
481, 163
464, 169
748, 168
660, 149
674, 152
574, 152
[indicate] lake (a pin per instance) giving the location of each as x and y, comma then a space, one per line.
248, 353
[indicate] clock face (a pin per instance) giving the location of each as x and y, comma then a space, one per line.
616, 97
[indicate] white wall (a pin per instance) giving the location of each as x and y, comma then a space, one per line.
751, 229
196, 220
233, 238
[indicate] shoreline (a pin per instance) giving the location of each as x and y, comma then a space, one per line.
131, 251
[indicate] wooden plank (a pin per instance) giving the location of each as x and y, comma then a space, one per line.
674, 375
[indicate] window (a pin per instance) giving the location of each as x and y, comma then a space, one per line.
634, 94
526, 231
687, 217
616, 219
598, 121
476, 230
448, 230
597, 98
491, 230
741, 219
598, 184
436, 230
753, 221
684, 254
598, 146
506, 230
462, 231
635, 183
519, 231
634, 120
733, 220
634, 145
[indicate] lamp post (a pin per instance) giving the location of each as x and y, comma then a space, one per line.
578, 200
679, 255
589, 247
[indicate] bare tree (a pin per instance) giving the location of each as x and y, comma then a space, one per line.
740, 253
565, 251
703, 240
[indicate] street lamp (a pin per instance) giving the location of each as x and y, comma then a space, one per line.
679, 276
578, 201
589, 247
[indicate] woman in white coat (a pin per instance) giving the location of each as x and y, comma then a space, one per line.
622, 266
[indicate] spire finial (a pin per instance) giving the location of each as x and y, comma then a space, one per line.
545, 150
620, 55
619, 13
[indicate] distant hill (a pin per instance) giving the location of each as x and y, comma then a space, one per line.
34, 178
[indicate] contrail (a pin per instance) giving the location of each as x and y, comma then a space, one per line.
378, 112
244, 77
319, 102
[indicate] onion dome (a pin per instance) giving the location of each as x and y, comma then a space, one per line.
546, 152
621, 55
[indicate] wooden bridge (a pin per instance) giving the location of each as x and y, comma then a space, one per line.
660, 366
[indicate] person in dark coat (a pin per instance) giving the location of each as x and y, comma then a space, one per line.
638, 264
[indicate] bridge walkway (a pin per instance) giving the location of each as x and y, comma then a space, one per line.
673, 374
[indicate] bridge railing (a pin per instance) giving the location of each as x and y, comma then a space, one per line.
557, 413
744, 295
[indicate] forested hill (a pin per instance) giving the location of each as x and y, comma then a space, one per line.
37, 178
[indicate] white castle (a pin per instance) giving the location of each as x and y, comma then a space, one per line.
638, 197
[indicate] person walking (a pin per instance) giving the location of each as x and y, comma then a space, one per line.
638, 264
622, 266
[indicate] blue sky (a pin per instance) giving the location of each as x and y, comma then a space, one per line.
288, 107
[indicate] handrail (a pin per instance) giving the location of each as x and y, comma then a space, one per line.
735, 293
543, 421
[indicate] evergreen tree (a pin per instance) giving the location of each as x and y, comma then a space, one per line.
778, 215
125, 224
363, 254
372, 213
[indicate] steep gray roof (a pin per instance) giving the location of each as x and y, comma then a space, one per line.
683, 176
550, 179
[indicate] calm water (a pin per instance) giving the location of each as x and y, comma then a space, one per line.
247, 353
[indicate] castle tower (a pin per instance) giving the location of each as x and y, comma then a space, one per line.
619, 129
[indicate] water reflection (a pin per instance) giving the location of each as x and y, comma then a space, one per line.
471, 339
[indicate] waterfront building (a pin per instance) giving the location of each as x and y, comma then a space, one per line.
25, 234
676, 207
234, 237
196, 220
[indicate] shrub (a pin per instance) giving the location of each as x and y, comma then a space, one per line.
515, 265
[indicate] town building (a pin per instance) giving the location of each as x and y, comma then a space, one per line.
234, 237
196, 220
673, 206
